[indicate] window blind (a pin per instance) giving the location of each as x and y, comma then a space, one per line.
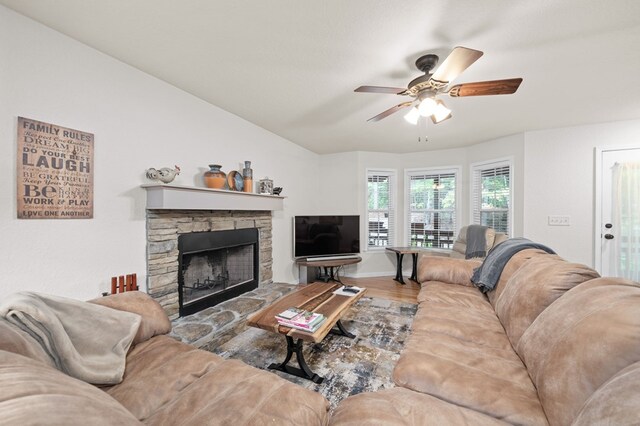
431, 208
491, 196
380, 209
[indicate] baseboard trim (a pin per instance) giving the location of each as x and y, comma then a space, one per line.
377, 274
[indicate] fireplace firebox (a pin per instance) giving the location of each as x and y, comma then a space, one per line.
216, 266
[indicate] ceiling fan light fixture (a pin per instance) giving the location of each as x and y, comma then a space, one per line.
426, 88
440, 112
412, 116
427, 107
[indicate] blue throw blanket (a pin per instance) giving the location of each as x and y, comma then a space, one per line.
487, 275
476, 241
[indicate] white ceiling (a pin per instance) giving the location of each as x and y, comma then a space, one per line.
290, 66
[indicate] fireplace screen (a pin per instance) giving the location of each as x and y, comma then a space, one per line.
216, 266
215, 271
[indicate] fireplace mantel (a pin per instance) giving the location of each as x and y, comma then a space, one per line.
178, 197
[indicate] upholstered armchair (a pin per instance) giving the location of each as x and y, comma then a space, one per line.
492, 237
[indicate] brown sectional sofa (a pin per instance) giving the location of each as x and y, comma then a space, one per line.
165, 383
553, 343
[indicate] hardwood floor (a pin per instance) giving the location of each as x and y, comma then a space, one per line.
387, 288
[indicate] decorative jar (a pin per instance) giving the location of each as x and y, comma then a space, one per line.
215, 178
266, 186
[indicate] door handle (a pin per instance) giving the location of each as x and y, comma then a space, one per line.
608, 236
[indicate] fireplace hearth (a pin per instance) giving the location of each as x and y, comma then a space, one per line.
216, 266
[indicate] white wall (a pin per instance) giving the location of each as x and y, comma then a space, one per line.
559, 180
138, 122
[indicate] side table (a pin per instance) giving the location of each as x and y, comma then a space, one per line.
414, 251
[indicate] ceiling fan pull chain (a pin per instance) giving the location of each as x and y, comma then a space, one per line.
422, 130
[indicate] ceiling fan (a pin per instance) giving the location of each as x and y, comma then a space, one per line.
427, 87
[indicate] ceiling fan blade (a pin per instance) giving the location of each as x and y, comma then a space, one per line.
458, 60
482, 88
390, 111
380, 89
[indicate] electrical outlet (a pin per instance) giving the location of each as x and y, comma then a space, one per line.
558, 220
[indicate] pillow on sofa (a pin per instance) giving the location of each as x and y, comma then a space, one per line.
446, 270
34, 394
535, 286
581, 341
154, 319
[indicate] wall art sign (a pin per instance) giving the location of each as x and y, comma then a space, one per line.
55, 171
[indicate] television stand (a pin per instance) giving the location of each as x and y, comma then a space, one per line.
308, 269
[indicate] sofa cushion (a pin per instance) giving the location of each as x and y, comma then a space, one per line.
440, 304
580, 342
453, 295
616, 402
445, 269
535, 286
466, 325
165, 379
515, 263
32, 393
154, 319
459, 352
403, 407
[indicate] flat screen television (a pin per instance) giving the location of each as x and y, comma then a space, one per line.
315, 236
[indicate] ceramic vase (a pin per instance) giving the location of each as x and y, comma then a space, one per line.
215, 178
247, 177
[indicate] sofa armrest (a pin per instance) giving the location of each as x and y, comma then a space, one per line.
154, 319
446, 270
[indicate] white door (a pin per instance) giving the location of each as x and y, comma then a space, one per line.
619, 253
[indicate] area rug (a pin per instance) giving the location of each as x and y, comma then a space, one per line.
349, 366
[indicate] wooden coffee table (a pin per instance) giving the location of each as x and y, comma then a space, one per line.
316, 297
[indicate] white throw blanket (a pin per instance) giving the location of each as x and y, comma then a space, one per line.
86, 341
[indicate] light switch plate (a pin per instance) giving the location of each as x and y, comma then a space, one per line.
559, 220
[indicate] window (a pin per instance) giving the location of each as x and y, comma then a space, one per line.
491, 196
380, 208
432, 207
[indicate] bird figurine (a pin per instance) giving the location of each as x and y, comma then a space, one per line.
164, 175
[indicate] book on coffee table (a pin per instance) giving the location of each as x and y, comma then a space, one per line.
306, 321
311, 328
290, 313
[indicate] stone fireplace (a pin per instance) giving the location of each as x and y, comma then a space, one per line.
209, 270
176, 214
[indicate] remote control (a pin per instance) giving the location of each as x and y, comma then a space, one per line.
351, 290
